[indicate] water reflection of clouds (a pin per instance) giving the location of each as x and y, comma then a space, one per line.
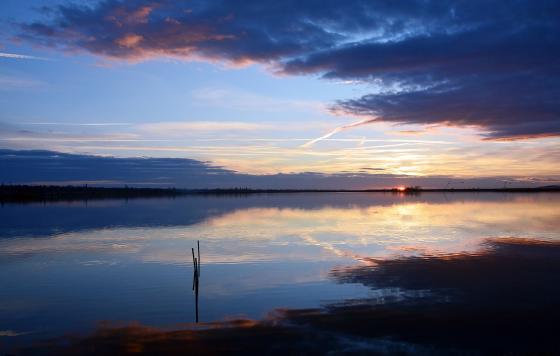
256, 258
407, 226
323, 234
503, 299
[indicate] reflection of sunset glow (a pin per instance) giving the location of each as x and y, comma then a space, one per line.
256, 246
408, 226
420, 291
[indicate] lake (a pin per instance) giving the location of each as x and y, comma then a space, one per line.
314, 272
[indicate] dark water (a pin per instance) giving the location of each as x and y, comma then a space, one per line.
351, 273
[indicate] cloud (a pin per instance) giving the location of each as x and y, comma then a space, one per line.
174, 128
499, 74
219, 30
248, 147
493, 67
50, 167
11, 333
57, 168
20, 56
513, 107
409, 132
79, 124
337, 130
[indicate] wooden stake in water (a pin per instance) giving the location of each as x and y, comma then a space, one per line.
196, 274
194, 269
198, 249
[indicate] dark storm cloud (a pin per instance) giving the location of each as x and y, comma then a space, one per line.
493, 65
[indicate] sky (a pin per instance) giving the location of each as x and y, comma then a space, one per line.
375, 92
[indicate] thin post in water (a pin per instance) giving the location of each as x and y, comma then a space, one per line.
194, 268
196, 274
198, 249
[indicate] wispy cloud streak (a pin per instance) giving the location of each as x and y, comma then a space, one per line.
337, 130
21, 56
79, 124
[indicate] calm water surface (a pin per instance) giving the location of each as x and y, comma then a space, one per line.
68, 267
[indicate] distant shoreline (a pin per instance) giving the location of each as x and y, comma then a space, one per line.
36, 193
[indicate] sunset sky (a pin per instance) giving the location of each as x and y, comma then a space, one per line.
430, 90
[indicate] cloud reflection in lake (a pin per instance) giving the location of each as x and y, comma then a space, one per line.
124, 261
504, 299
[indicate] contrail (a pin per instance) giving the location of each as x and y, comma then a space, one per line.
337, 130
20, 56
79, 124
